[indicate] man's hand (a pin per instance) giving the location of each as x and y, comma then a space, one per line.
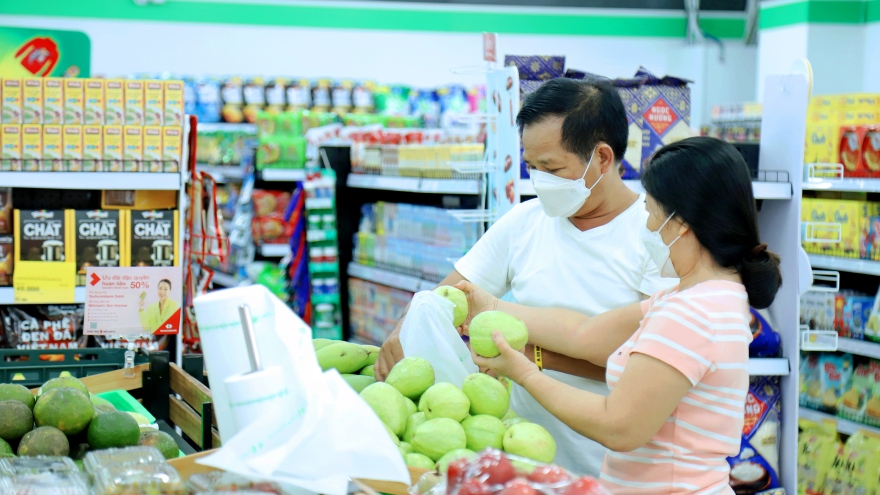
390, 353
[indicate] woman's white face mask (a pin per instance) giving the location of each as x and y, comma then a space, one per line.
658, 250
561, 197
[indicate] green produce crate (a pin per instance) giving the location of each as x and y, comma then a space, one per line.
124, 401
24, 366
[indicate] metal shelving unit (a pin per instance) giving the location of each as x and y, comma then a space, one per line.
389, 278
851, 265
844, 426
414, 184
141, 181
762, 189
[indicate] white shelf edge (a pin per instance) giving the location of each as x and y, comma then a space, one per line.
319, 203
140, 181
221, 173
7, 296
769, 367
859, 347
389, 278
281, 175
844, 426
274, 250
861, 185
414, 184
851, 265
227, 127
761, 190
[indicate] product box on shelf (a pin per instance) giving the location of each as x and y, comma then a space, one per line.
138, 200
6, 259
99, 241
53, 100
93, 148
73, 148
152, 149
12, 110
850, 152
44, 235
114, 102
10, 137
95, 104
32, 100
53, 149
870, 150
74, 102
5, 210
134, 102
31, 147
113, 148
154, 103
152, 237
822, 144
133, 148
173, 103
172, 148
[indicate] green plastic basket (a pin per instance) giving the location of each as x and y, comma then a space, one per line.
123, 401
23, 366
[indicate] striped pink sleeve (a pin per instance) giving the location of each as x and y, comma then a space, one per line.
647, 303
679, 336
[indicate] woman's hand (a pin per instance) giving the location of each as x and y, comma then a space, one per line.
478, 301
510, 363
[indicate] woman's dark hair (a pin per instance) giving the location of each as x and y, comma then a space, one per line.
706, 182
166, 281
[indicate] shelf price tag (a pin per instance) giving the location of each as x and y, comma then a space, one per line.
41, 282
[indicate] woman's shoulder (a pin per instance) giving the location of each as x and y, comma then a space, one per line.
709, 305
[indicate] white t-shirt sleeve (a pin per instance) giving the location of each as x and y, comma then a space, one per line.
487, 264
652, 282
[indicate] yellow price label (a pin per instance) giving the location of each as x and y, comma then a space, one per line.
41, 282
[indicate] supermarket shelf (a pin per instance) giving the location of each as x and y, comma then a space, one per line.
224, 279
844, 426
414, 184
141, 181
861, 185
859, 347
768, 367
319, 203
762, 190
275, 250
851, 265
281, 175
7, 295
225, 127
222, 173
389, 278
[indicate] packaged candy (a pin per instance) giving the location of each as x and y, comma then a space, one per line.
24, 466
756, 467
100, 459
217, 482
154, 479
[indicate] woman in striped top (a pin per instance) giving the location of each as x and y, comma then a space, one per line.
677, 362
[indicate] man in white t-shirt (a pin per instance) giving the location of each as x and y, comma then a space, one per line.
578, 246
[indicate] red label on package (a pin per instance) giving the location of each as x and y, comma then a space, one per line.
660, 116
755, 409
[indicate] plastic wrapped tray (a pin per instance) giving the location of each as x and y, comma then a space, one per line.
221, 482
47, 483
99, 459
138, 479
21, 466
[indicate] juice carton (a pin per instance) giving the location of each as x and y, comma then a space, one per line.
822, 144
74, 101
174, 103
850, 150
10, 136
73, 147
31, 147
93, 148
53, 149
133, 146
152, 149
94, 102
53, 100
12, 104
114, 102
113, 149
134, 103
172, 148
154, 103
32, 97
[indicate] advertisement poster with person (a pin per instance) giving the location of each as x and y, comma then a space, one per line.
133, 301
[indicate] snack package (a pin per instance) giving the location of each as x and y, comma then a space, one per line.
152, 149
53, 326
10, 158
95, 103
5, 210
765, 341
99, 240
817, 450
756, 468
299, 95
871, 150
154, 103
254, 93
6, 259
93, 148
134, 102
860, 465
208, 108
854, 400
31, 147
11, 92
32, 99
174, 103
43, 235
74, 102
172, 148
233, 101
113, 148
856, 313
133, 148
53, 149
835, 373
114, 102
72, 139
53, 100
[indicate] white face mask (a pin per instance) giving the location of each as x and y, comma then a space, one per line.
562, 197
658, 250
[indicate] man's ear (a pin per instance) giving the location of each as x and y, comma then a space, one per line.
604, 158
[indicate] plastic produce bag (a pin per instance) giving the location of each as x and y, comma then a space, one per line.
428, 333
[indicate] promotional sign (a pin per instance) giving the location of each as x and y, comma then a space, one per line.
502, 139
133, 301
26, 52
39, 282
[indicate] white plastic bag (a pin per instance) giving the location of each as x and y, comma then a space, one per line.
428, 333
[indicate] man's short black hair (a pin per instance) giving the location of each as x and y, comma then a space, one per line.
592, 111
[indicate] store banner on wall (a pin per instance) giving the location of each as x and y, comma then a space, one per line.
26, 52
502, 141
132, 301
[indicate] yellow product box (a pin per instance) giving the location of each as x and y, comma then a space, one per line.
134, 103
32, 97
822, 144
154, 103
94, 102
172, 148
74, 101
113, 149
53, 100
12, 105
10, 158
824, 102
152, 149
93, 148
31, 147
847, 214
73, 147
865, 102
174, 103
859, 118
133, 148
53, 149
114, 102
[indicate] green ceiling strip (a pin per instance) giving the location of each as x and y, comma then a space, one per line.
410, 19
819, 12
872, 12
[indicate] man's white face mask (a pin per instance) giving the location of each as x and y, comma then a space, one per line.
562, 197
